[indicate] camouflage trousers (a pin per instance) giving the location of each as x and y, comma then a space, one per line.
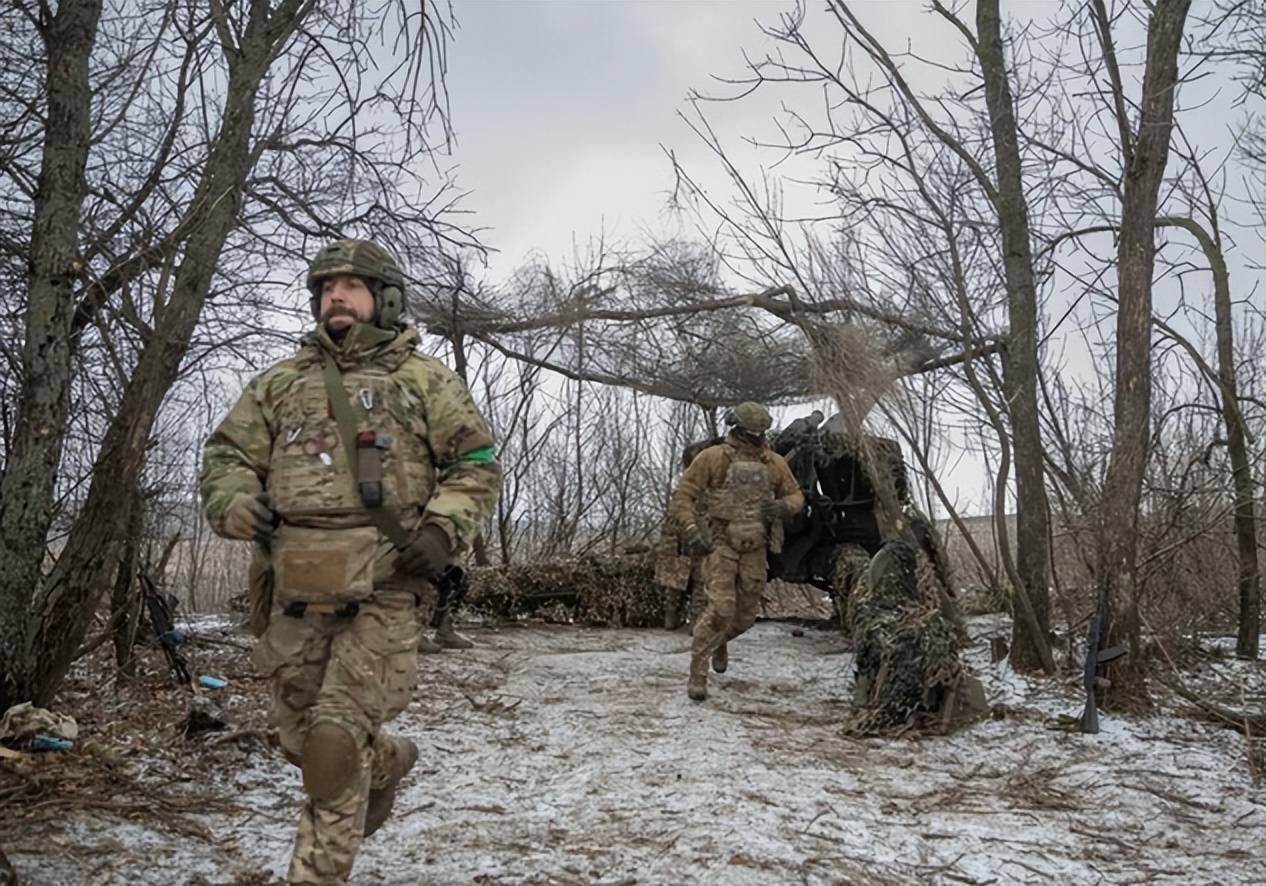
359, 673
733, 583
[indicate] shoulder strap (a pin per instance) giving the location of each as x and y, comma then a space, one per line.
386, 521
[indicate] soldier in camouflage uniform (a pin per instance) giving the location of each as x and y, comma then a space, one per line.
340, 644
750, 493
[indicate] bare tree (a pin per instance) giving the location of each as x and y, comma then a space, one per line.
1145, 152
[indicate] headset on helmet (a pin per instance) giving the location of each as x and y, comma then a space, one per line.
370, 262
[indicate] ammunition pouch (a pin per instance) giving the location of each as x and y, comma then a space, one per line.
745, 536
324, 566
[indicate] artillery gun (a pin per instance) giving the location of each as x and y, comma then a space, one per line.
830, 543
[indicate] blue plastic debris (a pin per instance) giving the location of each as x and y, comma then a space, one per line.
42, 742
209, 682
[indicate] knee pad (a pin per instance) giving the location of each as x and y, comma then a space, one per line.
331, 759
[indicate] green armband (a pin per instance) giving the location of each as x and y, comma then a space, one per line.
482, 455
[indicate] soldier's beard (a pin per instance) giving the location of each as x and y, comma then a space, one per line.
338, 330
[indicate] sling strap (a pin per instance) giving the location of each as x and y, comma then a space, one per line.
386, 521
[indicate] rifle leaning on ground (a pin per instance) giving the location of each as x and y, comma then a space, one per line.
160, 622
1096, 658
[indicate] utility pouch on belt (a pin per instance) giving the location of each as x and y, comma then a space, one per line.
324, 565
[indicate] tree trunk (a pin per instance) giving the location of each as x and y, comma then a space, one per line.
1020, 360
1136, 252
26, 488
1249, 585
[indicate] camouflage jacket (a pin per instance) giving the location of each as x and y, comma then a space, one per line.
708, 471
281, 437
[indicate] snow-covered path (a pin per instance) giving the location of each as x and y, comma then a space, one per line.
558, 754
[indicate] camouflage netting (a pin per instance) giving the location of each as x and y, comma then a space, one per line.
615, 591
908, 671
849, 367
619, 591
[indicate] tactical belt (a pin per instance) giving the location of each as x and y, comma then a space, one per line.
299, 609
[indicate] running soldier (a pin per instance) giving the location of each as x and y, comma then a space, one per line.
361, 469
750, 494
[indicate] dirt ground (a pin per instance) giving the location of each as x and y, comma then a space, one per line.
557, 754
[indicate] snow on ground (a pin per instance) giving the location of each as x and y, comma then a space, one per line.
560, 755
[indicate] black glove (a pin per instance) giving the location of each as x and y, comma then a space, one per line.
695, 542
427, 554
776, 511
251, 517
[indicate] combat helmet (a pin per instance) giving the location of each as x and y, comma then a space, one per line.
752, 417
371, 263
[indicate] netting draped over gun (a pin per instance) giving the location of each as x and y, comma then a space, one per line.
1097, 659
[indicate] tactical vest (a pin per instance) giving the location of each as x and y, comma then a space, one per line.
737, 504
328, 549
308, 475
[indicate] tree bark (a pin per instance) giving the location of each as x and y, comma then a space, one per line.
26, 488
1020, 360
1136, 251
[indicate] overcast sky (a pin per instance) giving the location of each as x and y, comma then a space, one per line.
560, 109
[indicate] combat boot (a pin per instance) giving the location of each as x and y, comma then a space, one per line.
448, 638
378, 808
697, 687
721, 659
427, 646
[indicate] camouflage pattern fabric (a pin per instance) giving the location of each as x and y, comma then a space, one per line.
733, 585
907, 663
438, 468
359, 673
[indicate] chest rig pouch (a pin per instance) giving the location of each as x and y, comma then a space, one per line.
738, 504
